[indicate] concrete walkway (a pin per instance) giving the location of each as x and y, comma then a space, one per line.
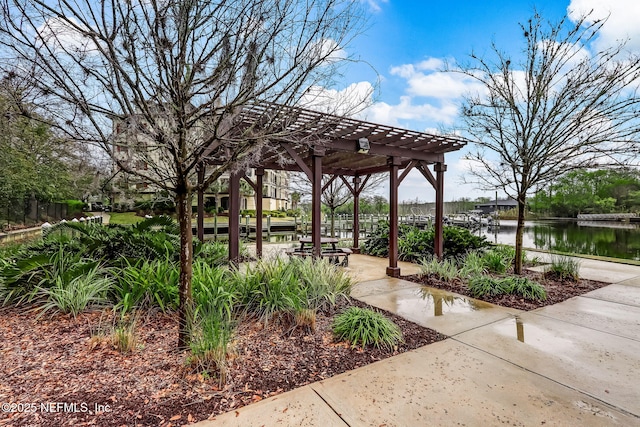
573, 363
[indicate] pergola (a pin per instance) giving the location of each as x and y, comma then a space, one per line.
342, 147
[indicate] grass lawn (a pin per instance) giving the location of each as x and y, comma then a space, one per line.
124, 218
129, 218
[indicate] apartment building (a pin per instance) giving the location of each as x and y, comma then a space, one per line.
133, 148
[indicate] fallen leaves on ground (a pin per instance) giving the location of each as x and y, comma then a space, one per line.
53, 362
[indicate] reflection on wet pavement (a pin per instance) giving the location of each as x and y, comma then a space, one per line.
446, 312
444, 302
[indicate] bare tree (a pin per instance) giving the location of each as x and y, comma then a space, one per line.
172, 82
561, 107
335, 192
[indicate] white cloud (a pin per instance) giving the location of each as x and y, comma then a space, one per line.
424, 80
348, 101
622, 23
328, 51
427, 79
63, 35
374, 4
406, 111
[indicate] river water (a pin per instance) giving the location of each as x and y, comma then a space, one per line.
610, 239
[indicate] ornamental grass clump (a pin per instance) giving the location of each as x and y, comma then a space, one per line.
563, 267
71, 294
363, 327
487, 286
472, 265
443, 270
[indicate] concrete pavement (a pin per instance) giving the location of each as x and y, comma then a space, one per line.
573, 363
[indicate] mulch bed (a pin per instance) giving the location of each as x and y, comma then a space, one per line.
55, 364
558, 289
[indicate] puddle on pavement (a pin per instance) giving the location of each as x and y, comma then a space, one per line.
431, 302
535, 335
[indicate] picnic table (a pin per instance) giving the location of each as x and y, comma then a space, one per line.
328, 250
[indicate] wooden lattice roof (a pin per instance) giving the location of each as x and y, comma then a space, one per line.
306, 130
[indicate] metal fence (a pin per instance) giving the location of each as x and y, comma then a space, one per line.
25, 213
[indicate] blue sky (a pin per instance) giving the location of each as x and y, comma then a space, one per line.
406, 42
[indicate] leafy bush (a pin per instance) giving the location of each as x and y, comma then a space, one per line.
563, 267
363, 327
27, 273
483, 286
74, 206
414, 244
458, 241
443, 270
525, 288
153, 238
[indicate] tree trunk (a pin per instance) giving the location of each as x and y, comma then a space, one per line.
517, 262
333, 222
185, 310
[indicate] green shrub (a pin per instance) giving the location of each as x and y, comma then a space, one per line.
74, 207
414, 244
363, 327
443, 270
214, 289
27, 273
563, 267
458, 241
209, 345
486, 286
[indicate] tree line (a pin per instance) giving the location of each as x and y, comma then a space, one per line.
586, 191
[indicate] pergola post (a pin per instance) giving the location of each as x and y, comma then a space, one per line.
356, 214
200, 223
392, 269
438, 246
258, 190
316, 201
234, 217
